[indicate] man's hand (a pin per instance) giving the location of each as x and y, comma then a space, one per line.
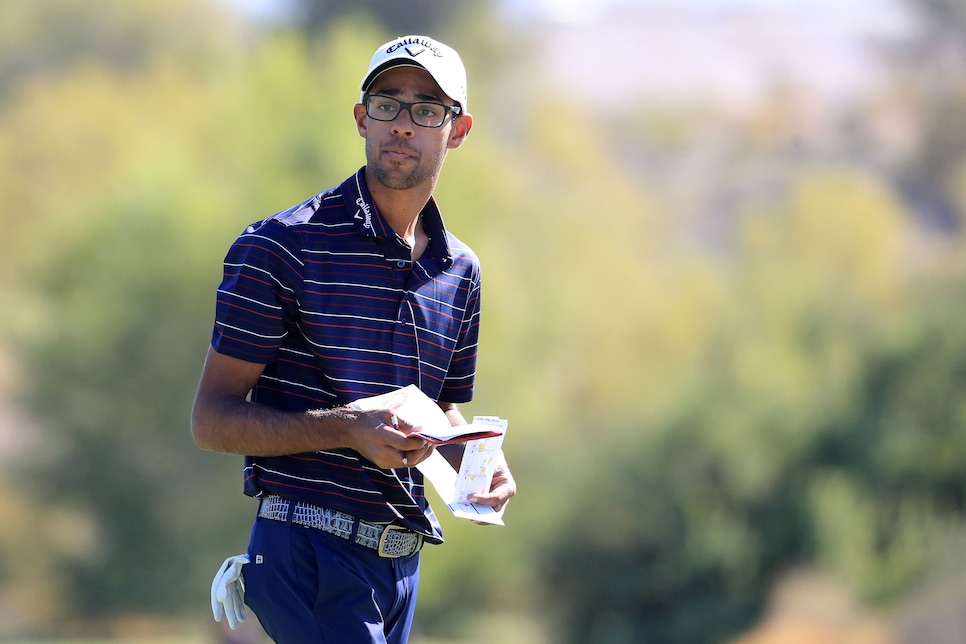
228, 591
501, 488
383, 438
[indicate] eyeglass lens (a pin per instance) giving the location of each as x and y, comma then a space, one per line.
384, 108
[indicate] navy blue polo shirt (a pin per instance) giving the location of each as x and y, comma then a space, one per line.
327, 297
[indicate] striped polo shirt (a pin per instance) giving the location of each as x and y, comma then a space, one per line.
327, 297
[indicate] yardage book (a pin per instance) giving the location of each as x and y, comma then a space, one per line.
483, 438
419, 409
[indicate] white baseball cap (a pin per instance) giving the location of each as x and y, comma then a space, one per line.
441, 61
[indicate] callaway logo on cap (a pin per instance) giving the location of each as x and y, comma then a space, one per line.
442, 63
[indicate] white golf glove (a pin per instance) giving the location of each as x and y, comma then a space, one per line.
228, 591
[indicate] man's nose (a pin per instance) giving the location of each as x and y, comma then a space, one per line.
403, 125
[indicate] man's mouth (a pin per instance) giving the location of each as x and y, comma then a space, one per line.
399, 152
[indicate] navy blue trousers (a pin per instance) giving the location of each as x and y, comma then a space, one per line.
308, 586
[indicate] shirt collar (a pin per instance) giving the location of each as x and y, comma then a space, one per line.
368, 221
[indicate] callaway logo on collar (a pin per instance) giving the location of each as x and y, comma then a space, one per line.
364, 209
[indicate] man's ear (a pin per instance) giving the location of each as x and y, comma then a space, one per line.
359, 114
462, 125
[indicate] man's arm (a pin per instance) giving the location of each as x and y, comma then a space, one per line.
503, 486
223, 420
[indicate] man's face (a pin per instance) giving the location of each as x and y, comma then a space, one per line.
400, 154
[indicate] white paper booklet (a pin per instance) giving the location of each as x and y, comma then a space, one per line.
419, 409
479, 458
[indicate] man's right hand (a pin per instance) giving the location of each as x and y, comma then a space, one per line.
383, 438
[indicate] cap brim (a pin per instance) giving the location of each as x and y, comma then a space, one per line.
386, 66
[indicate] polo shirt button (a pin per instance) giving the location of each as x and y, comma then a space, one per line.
401, 263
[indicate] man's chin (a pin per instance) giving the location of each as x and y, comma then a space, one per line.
397, 179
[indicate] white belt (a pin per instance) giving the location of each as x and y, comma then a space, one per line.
388, 540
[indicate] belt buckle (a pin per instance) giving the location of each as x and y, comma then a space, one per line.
395, 554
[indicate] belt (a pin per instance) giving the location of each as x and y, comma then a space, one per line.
388, 540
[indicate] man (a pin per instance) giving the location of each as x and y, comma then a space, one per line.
353, 293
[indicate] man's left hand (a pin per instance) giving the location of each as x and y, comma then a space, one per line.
501, 488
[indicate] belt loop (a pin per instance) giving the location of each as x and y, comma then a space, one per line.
290, 513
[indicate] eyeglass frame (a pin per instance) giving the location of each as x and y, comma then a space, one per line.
455, 109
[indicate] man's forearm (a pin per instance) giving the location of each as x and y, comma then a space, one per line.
235, 426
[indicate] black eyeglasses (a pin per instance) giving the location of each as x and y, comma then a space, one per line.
424, 114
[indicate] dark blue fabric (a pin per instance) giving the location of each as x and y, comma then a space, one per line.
325, 294
307, 586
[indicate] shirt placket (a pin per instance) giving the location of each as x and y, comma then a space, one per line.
405, 339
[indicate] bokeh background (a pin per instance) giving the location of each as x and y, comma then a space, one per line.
725, 292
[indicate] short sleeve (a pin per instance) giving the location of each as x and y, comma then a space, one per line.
257, 300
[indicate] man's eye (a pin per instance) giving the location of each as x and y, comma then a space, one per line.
386, 107
427, 110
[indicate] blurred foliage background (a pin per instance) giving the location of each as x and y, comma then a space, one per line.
728, 340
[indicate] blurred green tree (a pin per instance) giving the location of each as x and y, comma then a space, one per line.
930, 74
429, 17
825, 429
